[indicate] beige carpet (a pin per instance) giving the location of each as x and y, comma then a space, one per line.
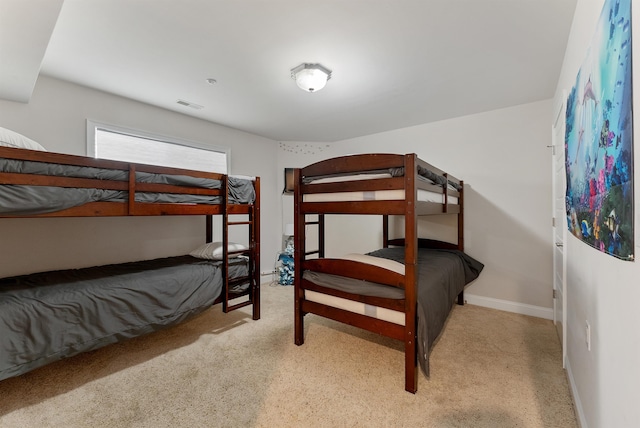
489, 369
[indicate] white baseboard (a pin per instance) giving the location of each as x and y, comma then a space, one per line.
267, 279
577, 404
508, 306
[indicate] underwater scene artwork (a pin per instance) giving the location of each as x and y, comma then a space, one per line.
599, 138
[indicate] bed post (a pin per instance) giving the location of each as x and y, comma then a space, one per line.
321, 244
209, 228
298, 256
385, 231
411, 274
461, 232
461, 218
225, 244
254, 233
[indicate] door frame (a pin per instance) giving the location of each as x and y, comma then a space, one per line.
559, 223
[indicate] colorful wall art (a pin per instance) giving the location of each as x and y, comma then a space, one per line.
599, 138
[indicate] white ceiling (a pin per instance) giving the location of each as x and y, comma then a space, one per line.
395, 63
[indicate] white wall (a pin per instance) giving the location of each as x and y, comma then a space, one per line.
601, 289
56, 117
503, 159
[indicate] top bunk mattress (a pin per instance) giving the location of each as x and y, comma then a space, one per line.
376, 195
18, 199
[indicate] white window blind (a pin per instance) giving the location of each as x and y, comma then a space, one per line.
110, 142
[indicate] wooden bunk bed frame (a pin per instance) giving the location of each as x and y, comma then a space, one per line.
249, 213
409, 207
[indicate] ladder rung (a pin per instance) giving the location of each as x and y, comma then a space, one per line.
238, 305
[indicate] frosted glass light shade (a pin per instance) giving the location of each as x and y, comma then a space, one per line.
311, 77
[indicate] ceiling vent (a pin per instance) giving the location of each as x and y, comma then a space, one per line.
188, 104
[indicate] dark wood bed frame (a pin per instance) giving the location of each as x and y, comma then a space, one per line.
247, 214
410, 208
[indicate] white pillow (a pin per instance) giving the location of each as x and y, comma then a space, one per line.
9, 138
391, 265
213, 250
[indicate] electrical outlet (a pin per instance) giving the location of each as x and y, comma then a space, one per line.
588, 335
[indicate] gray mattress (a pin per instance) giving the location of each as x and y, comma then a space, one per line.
442, 276
30, 200
48, 316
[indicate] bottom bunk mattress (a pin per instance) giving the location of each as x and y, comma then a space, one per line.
442, 275
48, 316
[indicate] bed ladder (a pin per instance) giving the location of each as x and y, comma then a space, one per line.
251, 214
229, 283
320, 223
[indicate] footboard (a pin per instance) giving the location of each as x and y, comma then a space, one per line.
355, 269
353, 292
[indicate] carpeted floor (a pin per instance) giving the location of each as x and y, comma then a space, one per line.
488, 369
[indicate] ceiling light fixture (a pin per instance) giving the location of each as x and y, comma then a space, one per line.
310, 77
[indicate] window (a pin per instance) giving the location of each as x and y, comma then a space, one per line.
116, 143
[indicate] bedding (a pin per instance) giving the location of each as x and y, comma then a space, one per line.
442, 276
30, 200
240, 187
360, 308
60, 170
423, 174
18, 199
380, 195
377, 195
9, 138
241, 190
48, 316
213, 250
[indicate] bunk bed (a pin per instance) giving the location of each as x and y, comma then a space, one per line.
406, 289
47, 316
